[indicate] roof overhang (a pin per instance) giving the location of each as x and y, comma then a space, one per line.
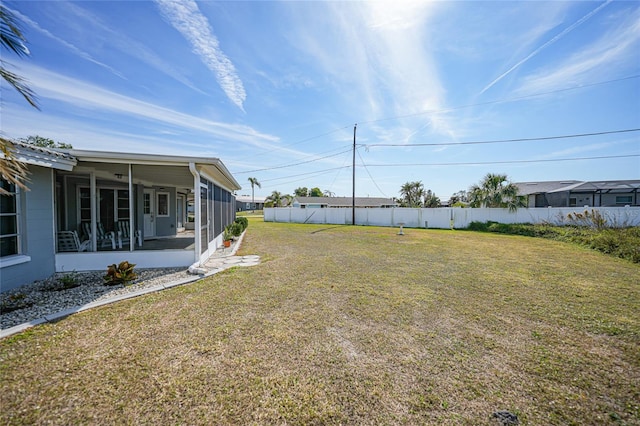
43, 157
211, 168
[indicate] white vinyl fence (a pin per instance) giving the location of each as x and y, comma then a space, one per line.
445, 218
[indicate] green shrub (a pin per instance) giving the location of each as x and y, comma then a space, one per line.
620, 242
236, 229
65, 282
122, 273
14, 302
243, 221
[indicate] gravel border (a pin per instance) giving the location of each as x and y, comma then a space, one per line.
44, 298
44, 301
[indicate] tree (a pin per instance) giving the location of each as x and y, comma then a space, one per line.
254, 182
495, 190
328, 193
459, 197
315, 192
301, 192
431, 200
275, 199
412, 193
11, 170
11, 38
45, 142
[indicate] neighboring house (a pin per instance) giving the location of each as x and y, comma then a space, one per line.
342, 202
88, 209
245, 202
573, 193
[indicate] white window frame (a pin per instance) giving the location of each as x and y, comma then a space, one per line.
18, 218
158, 204
115, 189
628, 199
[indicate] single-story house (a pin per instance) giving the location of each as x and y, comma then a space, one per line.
247, 202
573, 193
342, 202
85, 210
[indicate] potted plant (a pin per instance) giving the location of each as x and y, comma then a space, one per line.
227, 235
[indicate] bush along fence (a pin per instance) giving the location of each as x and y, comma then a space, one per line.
455, 218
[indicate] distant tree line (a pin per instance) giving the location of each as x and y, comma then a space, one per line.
494, 190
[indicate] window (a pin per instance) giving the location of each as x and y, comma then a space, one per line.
624, 199
147, 203
9, 213
163, 204
123, 204
113, 206
85, 205
572, 202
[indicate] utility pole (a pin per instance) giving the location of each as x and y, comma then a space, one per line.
353, 195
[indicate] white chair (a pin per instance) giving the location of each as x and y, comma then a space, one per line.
103, 238
124, 233
69, 241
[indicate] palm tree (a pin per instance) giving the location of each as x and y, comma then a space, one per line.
328, 193
11, 38
431, 199
495, 190
412, 193
254, 182
275, 198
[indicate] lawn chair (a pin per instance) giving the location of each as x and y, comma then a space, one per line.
124, 233
103, 238
69, 241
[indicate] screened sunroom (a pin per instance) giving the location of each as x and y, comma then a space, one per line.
152, 210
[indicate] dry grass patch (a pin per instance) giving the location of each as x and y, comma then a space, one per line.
350, 325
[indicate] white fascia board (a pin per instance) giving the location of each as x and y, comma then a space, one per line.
43, 160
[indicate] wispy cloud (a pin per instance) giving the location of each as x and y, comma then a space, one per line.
377, 55
68, 45
126, 45
88, 96
185, 16
612, 52
547, 44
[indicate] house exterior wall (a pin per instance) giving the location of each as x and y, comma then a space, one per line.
37, 228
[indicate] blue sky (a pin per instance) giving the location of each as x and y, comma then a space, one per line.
274, 88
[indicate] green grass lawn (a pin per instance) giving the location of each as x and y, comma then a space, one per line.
350, 325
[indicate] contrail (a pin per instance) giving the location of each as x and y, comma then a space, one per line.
550, 42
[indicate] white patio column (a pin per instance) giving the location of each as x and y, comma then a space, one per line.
197, 218
94, 211
132, 227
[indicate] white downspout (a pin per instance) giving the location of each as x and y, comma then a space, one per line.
197, 212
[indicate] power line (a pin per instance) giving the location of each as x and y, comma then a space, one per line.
292, 165
500, 100
439, 111
314, 173
543, 138
371, 177
298, 142
475, 163
306, 174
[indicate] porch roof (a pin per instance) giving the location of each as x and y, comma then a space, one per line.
212, 167
44, 157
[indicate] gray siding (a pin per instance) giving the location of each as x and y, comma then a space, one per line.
38, 242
